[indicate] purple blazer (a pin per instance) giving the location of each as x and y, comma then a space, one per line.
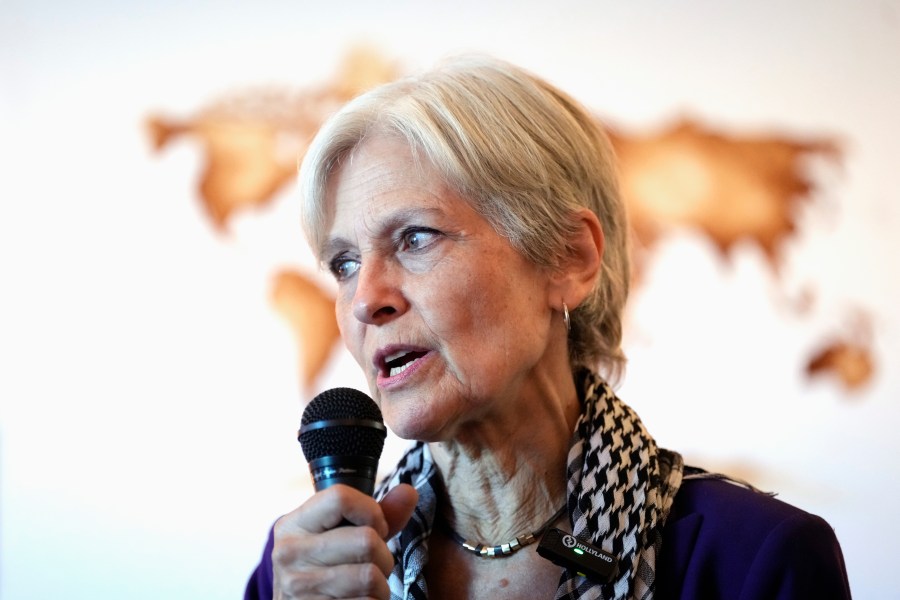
725, 541
721, 541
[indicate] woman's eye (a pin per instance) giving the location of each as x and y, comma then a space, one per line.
343, 267
417, 239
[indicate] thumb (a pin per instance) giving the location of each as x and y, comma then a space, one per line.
398, 505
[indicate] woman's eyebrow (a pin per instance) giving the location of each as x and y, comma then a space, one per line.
404, 216
332, 247
382, 227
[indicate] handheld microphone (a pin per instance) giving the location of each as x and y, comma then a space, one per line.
342, 435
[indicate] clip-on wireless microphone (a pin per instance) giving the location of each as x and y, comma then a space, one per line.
565, 550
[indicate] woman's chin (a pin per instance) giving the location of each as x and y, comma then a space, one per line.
417, 425
418, 432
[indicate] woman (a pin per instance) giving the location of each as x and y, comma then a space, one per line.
472, 221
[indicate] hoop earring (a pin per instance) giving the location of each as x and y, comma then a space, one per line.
566, 318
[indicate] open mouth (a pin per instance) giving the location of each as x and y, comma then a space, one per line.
396, 363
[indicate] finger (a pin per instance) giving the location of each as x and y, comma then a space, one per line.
343, 545
398, 506
343, 581
334, 506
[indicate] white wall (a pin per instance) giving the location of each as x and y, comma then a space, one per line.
148, 392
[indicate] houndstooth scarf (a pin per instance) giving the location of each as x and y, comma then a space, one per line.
620, 489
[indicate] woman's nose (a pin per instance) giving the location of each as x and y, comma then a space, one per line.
377, 298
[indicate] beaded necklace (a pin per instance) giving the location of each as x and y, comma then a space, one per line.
501, 550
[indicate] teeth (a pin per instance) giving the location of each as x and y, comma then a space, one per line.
397, 362
400, 369
394, 356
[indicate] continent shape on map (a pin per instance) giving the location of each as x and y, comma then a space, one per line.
309, 311
253, 140
728, 188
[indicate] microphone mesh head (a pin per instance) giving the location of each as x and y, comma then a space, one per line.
342, 440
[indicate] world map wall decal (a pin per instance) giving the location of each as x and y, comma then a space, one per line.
729, 188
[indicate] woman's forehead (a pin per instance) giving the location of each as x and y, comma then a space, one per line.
383, 171
381, 189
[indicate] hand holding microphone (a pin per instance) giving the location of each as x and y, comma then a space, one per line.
334, 544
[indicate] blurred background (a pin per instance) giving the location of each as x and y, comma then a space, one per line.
162, 323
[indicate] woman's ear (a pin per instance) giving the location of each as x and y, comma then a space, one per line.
576, 277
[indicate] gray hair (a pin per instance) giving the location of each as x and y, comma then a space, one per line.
525, 154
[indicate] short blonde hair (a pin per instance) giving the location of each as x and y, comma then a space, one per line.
525, 154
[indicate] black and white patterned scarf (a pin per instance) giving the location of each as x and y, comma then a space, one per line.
620, 489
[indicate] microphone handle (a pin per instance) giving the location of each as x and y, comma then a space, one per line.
356, 471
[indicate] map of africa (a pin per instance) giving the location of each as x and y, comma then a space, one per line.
729, 188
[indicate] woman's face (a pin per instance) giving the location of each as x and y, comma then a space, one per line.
448, 321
